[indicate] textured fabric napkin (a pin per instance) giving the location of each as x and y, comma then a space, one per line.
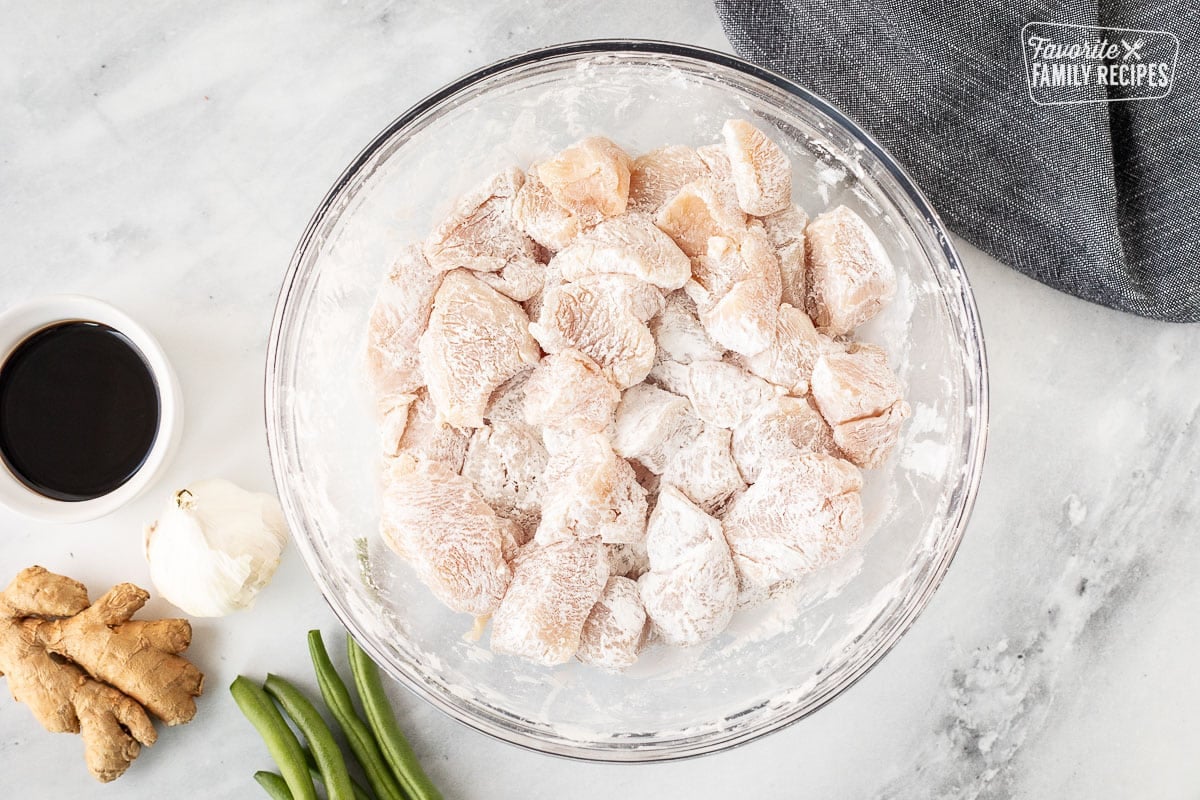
1100, 199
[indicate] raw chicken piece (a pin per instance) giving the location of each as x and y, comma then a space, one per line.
784, 426
711, 301
554, 588
627, 560
743, 319
643, 300
788, 361
704, 469
869, 441
568, 392
786, 229
646, 479
850, 277
394, 422
518, 281
505, 461
727, 261
476, 340
661, 173
480, 233
762, 174
719, 168
854, 384
590, 179
803, 513
691, 588
724, 394
736, 286
507, 403
681, 341
543, 218
652, 426
551, 279
629, 245
397, 318
437, 520
720, 172
671, 376
585, 316
427, 439
679, 334
862, 399
696, 213
590, 492
613, 631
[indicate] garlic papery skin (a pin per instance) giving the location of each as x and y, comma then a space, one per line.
214, 547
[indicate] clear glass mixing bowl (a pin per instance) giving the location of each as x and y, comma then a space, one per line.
777, 662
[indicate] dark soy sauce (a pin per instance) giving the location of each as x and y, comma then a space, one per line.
79, 411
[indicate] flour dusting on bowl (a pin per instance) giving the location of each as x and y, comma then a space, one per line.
777, 662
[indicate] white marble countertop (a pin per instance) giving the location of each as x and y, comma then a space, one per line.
166, 159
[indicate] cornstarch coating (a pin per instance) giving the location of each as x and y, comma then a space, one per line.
620, 397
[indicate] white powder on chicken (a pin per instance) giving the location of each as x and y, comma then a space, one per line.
620, 396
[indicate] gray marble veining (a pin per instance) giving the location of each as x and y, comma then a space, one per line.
166, 158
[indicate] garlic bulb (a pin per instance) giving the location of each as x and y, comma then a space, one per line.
214, 547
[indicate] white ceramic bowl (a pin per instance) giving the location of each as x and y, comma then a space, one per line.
22, 321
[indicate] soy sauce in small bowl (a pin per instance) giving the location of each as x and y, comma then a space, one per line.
90, 409
79, 411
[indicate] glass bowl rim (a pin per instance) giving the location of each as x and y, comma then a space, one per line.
977, 390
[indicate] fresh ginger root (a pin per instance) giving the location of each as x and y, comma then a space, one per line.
87, 668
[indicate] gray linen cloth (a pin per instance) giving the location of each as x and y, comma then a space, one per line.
1101, 199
